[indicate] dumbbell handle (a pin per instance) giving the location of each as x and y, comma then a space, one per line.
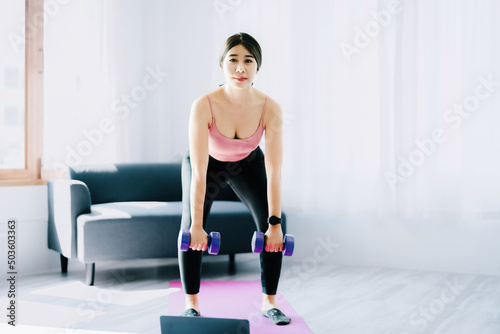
258, 243
213, 241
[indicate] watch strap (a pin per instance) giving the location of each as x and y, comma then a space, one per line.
273, 220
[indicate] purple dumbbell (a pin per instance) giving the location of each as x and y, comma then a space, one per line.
258, 243
213, 241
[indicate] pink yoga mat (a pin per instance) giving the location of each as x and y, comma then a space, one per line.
238, 300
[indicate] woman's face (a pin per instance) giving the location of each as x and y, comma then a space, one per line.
239, 67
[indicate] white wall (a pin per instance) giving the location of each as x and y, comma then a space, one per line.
450, 245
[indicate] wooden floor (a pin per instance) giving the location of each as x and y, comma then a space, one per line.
130, 296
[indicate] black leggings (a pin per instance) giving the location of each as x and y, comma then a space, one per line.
247, 178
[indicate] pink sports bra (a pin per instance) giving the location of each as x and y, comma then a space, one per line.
232, 149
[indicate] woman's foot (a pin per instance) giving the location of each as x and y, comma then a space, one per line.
270, 310
190, 312
276, 316
192, 308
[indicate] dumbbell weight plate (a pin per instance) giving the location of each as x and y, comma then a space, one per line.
258, 242
288, 244
214, 243
183, 241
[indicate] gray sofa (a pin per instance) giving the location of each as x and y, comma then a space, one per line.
133, 211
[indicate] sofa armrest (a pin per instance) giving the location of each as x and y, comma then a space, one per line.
67, 200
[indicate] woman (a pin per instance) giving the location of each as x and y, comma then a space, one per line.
225, 128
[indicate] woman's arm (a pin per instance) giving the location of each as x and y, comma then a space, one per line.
273, 161
199, 121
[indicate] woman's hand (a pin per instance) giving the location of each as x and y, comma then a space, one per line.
199, 239
273, 238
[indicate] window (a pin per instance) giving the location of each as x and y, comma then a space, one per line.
21, 92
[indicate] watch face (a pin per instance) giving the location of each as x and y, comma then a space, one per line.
274, 220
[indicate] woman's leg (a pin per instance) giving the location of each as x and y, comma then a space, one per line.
190, 260
251, 186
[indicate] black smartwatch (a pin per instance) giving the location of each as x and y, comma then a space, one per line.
273, 220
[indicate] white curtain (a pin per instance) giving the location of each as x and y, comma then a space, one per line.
80, 126
391, 107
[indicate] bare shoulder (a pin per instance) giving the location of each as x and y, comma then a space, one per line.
273, 105
201, 102
273, 112
200, 109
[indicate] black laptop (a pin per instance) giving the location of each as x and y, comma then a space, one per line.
202, 325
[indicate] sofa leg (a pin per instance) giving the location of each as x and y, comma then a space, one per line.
232, 264
89, 273
64, 264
